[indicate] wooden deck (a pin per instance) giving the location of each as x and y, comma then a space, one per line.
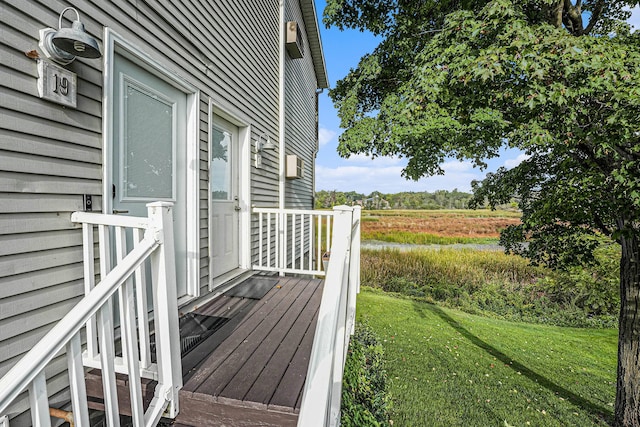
254, 367
250, 371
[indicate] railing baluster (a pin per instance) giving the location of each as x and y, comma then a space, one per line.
89, 284
293, 240
105, 250
269, 241
121, 250
77, 385
260, 231
278, 225
319, 259
302, 241
283, 249
107, 357
105, 336
39, 401
311, 243
328, 233
130, 347
143, 311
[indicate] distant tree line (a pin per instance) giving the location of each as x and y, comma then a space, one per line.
440, 199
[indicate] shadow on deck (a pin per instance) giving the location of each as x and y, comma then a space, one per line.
245, 354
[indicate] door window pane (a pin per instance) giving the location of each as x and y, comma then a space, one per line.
148, 155
221, 165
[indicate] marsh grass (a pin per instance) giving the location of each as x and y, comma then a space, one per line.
482, 282
413, 238
456, 268
450, 368
451, 213
442, 227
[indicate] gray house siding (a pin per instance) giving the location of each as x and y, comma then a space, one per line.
50, 156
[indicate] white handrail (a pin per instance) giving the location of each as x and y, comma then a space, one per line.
27, 368
28, 372
293, 240
323, 386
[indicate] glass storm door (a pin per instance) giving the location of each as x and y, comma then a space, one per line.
149, 150
225, 207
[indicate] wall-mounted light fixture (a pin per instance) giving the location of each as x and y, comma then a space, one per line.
266, 145
65, 44
261, 146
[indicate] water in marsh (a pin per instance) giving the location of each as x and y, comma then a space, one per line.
377, 245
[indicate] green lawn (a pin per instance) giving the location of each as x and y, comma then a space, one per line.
450, 368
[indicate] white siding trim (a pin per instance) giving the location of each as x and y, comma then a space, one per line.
113, 42
281, 108
244, 137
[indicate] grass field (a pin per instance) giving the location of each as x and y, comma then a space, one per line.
479, 338
449, 368
436, 227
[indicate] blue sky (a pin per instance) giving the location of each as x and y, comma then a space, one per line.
343, 50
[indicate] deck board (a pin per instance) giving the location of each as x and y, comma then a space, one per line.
249, 337
256, 359
296, 373
262, 389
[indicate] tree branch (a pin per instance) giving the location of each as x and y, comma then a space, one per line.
595, 16
572, 17
555, 13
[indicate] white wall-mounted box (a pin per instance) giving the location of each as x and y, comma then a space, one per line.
295, 167
294, 42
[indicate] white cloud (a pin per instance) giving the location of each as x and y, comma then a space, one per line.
455, 166
512, 163
388, 179
325, 136
377, 162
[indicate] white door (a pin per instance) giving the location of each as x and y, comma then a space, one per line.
149, 159
225, 203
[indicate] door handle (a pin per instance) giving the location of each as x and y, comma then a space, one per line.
116, 212
237, 208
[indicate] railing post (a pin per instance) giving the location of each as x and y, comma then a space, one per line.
324, 375
354, 269
165, 301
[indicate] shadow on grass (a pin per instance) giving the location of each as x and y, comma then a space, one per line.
586, 405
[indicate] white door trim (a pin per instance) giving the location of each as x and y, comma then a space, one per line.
114, 43
244, 186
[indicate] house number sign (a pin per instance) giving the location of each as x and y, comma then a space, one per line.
57, 84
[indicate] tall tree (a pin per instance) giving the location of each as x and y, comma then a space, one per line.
559, 80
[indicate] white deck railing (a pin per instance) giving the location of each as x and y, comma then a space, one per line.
153, 239
323, 386
293, 241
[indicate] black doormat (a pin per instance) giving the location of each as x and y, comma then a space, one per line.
254, 287
194, 328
